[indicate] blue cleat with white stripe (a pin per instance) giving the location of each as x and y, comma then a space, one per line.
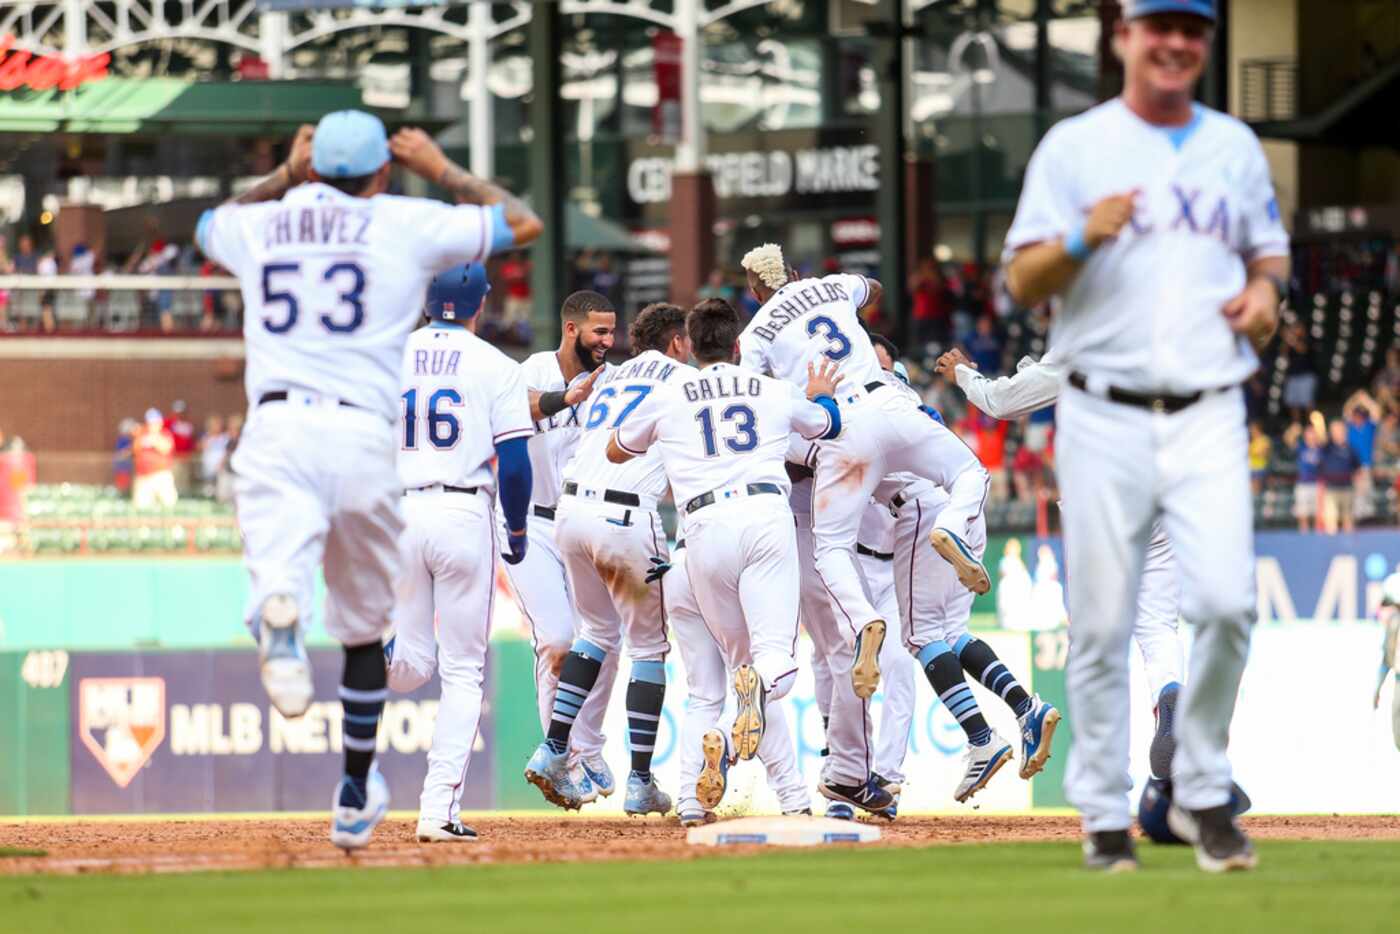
599, 774
283, 662
983, 762
355, 814
954, 550
548, 771
643, 797
1037, 732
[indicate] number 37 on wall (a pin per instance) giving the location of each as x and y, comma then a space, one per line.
1051, 650
44, 669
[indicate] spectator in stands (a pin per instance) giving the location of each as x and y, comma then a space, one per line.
984, 347
716, 286
1027, 473
223, 483
182, 430
1305, 489
515, 271
123, 463
154, 452
1260, 448
83, 262
7, 267
213, 446
159, 260
991, 450
605, 279
1363, 416
1386, 385
47, 265
1388, 443
1338, 469
930, 305
1300, 386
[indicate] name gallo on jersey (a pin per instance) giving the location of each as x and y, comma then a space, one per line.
799, 303
721, 387
335, 225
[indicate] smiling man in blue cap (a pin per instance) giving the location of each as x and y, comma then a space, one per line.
333, 273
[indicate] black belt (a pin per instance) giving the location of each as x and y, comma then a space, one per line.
544, 512
872, 553
897, 501
680, 543
753, 489
280, 395
447, 488
609, 496
1142, 400
871, 387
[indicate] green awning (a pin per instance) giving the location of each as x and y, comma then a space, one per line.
170, 105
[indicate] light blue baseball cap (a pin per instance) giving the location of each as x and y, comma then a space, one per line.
349, 144
1132, 9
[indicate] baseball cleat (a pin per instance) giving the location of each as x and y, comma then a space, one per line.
643, 797
439, 831
709, 786
599, 774
1110, 851
748, 724
1220, 844
355, 814
891, 812
840, 810
286, 669
1037, 731
548, 771
691, 814
587, 791
865, 670
982, 763
868, 796
892, 787
389, 651
970, 571
798, 812
1159, 754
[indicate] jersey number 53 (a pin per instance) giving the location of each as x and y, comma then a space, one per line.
282, 306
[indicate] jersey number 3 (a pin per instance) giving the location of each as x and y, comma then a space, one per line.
745, 438
838, 346
347, 278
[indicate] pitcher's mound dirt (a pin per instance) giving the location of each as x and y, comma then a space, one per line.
138, 846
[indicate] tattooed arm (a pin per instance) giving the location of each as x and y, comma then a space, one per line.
286, 176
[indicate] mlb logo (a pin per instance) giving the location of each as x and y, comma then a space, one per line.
122, 722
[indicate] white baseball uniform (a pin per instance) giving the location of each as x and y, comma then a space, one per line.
883, 430
875, 548
607, 526
1144, 315
461, 397
707, 683
1034, 386
332, 285
540, 581
723, 435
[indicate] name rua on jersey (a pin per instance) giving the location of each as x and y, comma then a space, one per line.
436, 362
659, 370
326, 224
799, 303
722, 387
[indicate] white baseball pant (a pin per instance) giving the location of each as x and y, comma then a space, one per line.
316, 487
883, 432
849, 729
446, 575
1158, 610
707, 683
1121, 467
897, 670
542, 591
933, 604
742, 555
607, 551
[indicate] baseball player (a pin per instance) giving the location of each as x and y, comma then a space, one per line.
706, 678
333, 277
559, 381
1169, 260
464, 402
608, 532
800, 321
723, 436
1389, 616
1035, 386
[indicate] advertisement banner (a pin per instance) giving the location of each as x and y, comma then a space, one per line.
193, 731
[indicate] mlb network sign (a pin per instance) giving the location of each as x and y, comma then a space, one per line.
193, 731
1326, 579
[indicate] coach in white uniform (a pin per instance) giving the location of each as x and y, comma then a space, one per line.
333, 277
1154, 221
464, 404
559, 381
723, 436
610, 537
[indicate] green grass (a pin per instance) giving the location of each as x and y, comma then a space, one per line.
1334, 887
13, 851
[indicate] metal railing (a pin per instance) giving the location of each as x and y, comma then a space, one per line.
121, 303
1268, 89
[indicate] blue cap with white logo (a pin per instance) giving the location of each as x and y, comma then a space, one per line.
1132, 9
349, 144
457, 294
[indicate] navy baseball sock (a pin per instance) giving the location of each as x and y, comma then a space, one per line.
946, 675
363, 688
981, 662
576, 679
646, 692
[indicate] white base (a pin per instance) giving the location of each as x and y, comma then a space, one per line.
782, 831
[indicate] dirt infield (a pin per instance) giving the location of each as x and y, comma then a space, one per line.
75, 847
